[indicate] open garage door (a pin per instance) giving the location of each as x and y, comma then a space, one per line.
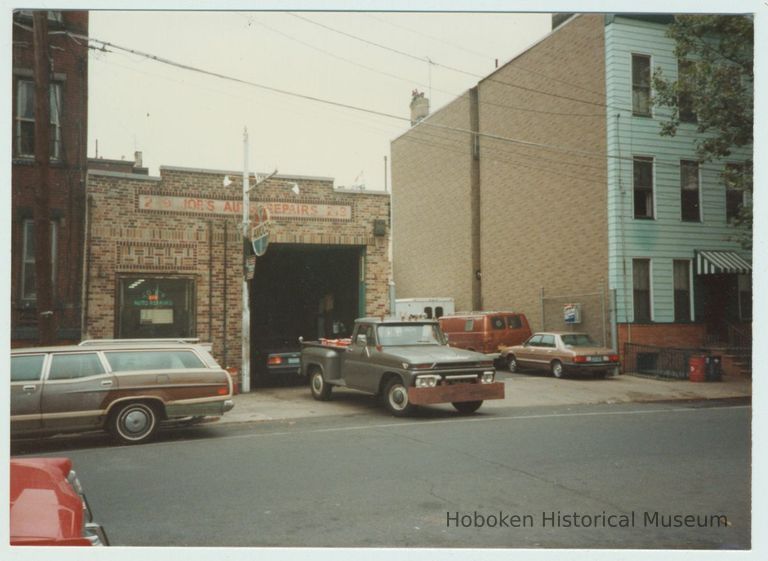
307, 291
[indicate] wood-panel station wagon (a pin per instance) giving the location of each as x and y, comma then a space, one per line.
409, 363
126, 387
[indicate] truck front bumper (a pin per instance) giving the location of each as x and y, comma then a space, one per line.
455, 393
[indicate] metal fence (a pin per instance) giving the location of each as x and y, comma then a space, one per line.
662, 362
591, 314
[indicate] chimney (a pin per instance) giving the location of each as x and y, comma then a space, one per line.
419, 106
137, 163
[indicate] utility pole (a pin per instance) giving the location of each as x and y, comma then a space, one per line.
46, 320
246, 328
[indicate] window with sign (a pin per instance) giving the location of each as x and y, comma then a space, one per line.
154, 307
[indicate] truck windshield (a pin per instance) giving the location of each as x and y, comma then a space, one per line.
409, 334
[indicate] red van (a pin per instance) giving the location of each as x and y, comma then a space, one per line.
485, 332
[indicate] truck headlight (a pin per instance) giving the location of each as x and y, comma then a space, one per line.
487, 377
427, 381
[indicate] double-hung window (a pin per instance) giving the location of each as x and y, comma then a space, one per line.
641, 85
685, 83
690, 196
25, 118
682, 280
734, 193
28, 287
642, 171
641, 289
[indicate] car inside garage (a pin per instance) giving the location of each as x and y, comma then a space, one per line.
308, 291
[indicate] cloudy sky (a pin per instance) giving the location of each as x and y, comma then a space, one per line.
367, 60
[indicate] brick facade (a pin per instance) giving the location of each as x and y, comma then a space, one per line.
140, 225
69, 68
528, 218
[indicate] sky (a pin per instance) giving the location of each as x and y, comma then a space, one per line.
369, 60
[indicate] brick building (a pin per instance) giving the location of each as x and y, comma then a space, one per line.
69, 123
548, 184
165, 254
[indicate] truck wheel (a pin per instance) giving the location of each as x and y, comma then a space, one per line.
467, 407
396, 398
134, 423
319, 388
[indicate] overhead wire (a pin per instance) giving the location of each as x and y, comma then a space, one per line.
156, 58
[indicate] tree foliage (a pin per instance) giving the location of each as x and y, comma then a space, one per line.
715, 86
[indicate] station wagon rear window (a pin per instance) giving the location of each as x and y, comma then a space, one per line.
127, 361
26, 368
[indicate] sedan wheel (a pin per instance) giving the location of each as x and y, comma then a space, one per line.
557, 369
396, 398
511, 363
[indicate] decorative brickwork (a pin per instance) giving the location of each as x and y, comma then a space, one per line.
186, 225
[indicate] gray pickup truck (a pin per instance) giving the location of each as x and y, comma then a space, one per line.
408, 363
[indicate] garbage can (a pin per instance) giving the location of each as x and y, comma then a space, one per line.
714, 368
697, 369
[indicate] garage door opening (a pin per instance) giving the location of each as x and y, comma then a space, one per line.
302, 291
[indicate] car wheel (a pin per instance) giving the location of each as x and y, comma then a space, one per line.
557, 369
467, 407
511, 363
320, 389
134, 423
396, 398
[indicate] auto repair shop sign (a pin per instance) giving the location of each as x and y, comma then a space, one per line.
277, 210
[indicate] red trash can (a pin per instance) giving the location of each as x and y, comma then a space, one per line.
697, 371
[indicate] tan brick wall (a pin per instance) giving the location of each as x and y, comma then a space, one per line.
431, 170
207, 248
544, 211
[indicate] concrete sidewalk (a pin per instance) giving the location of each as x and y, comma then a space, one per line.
285, 403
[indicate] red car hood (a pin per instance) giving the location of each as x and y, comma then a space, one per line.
44, 506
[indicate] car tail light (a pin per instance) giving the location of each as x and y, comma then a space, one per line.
223, 391
274, 360
579, 358
614, 358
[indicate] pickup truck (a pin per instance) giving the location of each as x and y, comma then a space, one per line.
408, 363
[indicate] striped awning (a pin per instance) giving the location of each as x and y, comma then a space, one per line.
718, 262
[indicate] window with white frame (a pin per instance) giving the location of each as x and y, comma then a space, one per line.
25, 118
734, 193
641, 289
682, 285
642, 182
690, 197
684, 101
641, 85
28, 287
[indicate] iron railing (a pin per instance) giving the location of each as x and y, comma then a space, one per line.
662, 362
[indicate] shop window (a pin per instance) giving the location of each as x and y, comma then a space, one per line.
25, 119
642, 169
690, 197
641, 289
641, 85
682, 280
152, 307
28, 288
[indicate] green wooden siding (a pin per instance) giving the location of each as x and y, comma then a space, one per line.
666, 237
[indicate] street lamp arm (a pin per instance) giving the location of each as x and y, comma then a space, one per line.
259, 182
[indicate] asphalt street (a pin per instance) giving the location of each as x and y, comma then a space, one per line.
651, 475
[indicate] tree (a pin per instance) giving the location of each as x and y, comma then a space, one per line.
714, 88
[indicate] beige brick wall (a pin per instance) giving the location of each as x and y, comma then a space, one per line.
431, 170
124, 239
544, 211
